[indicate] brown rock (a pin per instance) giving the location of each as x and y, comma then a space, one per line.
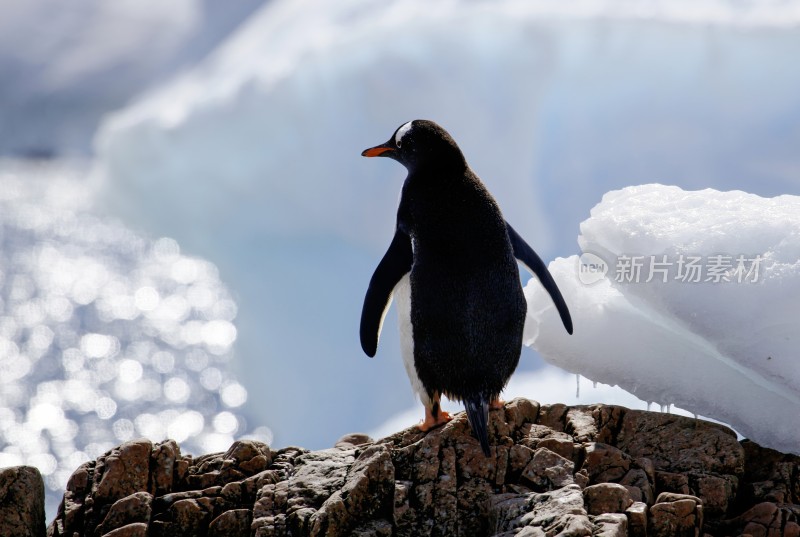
640, 487
675, 515
672, 482
637, 519
558, 512
164, 456
122, 471
771, 476
611, 525
581, 424
352, 440
605, 463
680, 444
189, 517
137, 529
440, 483
21, 502
715, 492
366, 491
233, 523
767, 519
606, 498
553, 416
135, 508
548, 470
520, 411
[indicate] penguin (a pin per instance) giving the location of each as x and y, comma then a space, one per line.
452, 268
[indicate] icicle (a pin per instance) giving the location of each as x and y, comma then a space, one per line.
577, 386
661, 406
649, 404
669, 408
594, 384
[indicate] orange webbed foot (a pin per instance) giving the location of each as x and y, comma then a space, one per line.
497, 404
430, 422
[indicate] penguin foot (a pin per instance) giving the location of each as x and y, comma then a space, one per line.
497, 404
430, 422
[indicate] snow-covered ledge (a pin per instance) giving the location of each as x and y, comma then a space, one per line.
686, 298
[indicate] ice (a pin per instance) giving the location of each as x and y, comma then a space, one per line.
65, 64
723, 346
252, 159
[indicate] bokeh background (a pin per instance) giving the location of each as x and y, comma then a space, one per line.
187, 228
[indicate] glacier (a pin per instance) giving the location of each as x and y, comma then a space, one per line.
720, 339
251, 159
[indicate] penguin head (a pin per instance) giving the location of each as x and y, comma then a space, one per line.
419, 143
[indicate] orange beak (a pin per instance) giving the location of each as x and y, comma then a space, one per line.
376, 151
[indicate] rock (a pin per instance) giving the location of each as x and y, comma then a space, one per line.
349, 441
637, 519
606, 498
605, 463
771, 476
231, 523
611, 525
137, 529
766, 519
132, 509
548, 470
675, 515
638, 474
680, 444
122, 471
21, 502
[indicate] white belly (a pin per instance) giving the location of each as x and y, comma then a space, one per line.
402, 295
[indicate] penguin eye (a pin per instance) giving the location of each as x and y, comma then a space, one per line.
401, 132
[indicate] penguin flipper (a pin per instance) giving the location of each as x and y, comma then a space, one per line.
536, 266
395, 264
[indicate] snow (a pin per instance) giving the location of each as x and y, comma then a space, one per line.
252, 158
720, 342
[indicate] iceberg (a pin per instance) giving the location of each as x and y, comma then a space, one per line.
251, 159
64, 65
686, 298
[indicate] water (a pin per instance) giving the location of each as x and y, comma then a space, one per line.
105, 335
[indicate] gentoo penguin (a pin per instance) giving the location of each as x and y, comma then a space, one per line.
452, 268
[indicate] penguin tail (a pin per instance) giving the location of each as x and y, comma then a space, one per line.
477, 408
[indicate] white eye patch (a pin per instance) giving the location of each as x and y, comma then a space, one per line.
402, 132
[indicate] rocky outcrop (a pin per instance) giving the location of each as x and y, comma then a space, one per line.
21, 502
554, 470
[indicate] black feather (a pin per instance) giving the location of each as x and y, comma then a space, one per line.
395, 264
478, 415
531, 259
